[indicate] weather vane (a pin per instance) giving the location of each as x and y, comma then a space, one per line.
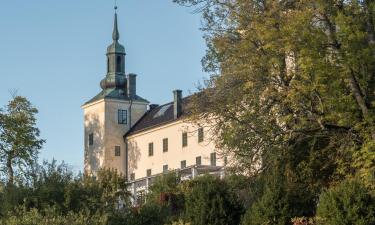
116, 5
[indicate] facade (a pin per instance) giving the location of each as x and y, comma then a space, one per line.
123, 132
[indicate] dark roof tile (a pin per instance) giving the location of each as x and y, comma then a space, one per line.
158, 116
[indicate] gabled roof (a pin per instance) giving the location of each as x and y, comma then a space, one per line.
159, 116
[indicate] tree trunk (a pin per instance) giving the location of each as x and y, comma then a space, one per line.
10, 171
371, 40
358, 95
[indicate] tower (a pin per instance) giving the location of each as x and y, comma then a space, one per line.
111, 113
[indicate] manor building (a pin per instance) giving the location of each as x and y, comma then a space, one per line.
123, 131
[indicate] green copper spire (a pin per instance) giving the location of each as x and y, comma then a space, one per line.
115, 34
115, 47
116, 85
115, 77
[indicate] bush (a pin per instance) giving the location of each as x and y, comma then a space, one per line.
34, 217
271, 208
347, 203
209, 201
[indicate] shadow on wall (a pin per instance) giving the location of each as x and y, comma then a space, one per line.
94, 153
134, 155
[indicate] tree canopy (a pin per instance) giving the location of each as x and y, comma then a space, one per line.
19, 139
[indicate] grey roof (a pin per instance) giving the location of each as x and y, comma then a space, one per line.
159, 116
115, 47
115, 93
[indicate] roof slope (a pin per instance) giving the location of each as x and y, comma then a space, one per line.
114, 93
158, 116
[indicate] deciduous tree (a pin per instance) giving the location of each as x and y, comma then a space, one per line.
19, 139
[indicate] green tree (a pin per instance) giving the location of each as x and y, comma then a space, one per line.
288, 71
209, 201
105, 193
347, 203
19, 139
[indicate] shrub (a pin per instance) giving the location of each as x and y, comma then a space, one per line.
347, 203
34, 217
209, 201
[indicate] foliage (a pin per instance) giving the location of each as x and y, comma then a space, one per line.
272, 207
166, 192
303, 221
347, 203
209, 201
284, 71
57, 193
33, 217
292, 88
19, 139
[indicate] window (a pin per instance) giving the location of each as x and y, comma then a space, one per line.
165, 169
200, 134
141, 197
132, 176
148, 172
198, 161
91, 139
117, 151
184, 139
108, 65
165, 145
122, 116
150, 149
183, 164
213, 159
118, 64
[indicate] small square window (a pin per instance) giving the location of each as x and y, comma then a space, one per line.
183, 164
165, 169
122, 116
132, 176
91, 139
150, 149
184, 139
148, 172
213, 159
200, 134
117, 151
165, 145
198, 161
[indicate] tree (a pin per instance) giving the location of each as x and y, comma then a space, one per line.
347, 203
286, 71
19, 138
209, 201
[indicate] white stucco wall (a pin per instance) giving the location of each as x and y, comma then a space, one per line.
94, 117
101, 119
140, 161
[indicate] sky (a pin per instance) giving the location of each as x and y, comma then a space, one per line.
53, 53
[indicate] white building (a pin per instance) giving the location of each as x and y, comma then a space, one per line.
122, 131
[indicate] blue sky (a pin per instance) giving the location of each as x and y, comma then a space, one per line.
53, 52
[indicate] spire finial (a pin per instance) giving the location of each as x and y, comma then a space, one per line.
116, 34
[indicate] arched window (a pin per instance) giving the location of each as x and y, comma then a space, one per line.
118, 64
107, 64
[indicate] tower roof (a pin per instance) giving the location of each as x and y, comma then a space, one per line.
115, 83
115, 47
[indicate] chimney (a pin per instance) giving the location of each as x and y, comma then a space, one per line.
177, 94
132, 85
153, 106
